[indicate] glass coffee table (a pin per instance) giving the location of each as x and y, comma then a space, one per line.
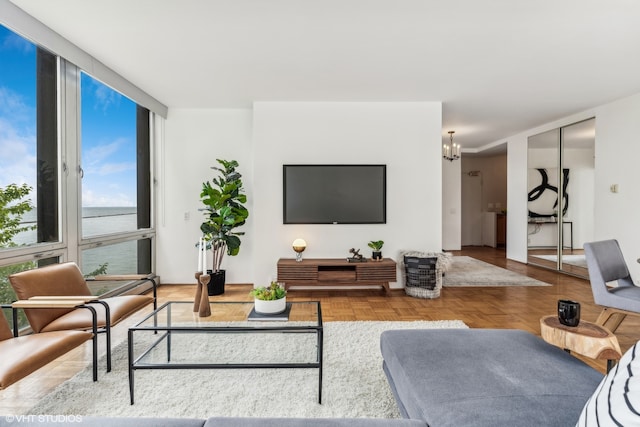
175, 337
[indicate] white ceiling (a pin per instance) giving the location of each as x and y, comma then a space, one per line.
498, 66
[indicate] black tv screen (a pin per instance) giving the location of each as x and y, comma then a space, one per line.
335, 194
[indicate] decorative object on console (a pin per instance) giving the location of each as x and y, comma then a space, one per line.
423, 271
270, 300
299, 245
451, 151
376, 245
356, 257
224, 211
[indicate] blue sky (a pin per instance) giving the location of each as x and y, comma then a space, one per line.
108, 129
108, 146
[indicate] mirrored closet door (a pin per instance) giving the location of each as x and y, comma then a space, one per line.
560, 197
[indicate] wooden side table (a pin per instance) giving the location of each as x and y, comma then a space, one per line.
586, 339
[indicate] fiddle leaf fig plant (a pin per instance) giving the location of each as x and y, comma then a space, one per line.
223, 199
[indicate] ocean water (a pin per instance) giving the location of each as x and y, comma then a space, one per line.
96, 221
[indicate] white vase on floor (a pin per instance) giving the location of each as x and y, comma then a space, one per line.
271, 307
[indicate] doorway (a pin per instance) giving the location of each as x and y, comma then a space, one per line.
484, 198
471, 209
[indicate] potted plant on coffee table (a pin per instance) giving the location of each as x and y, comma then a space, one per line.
376, 245
270, 300
223, 198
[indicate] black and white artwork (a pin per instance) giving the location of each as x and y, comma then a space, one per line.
543, 192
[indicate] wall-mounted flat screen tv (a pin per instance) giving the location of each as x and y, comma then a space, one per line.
335, 194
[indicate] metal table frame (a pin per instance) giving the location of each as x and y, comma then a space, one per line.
166, 331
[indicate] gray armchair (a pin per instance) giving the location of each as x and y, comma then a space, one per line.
606, 265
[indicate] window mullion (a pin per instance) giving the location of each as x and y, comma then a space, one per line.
70, 147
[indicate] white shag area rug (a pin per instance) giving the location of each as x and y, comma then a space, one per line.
467, 271
354, 384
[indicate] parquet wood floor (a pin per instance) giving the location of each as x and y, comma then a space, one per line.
484, 307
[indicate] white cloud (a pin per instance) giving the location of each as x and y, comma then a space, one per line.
99, 153
104, 96
96, 159
17, 141
14, 41
115, 168
12, 105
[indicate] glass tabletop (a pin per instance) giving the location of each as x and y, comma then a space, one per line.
176, 315
174, 336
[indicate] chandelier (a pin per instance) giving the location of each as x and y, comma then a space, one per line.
451, 151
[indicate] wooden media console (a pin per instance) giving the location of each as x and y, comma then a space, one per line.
336, 272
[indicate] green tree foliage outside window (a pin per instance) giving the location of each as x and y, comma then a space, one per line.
12, 207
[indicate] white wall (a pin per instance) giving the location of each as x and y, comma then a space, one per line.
404, 136
451, 205
616, 162
617, 154
194, 139
517, 198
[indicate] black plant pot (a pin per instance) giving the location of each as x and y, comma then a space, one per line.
376, 255
216, 284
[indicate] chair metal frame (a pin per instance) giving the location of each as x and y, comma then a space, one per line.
15, 306
90, 299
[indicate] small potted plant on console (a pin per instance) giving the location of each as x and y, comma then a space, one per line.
271, 299
376, 245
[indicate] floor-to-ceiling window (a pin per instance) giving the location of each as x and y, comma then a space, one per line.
115, 184
28, 142
75, 169
29, 185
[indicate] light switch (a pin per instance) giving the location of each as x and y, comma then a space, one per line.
614, 188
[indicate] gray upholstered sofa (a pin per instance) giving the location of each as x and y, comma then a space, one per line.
484, 377
464, 377
39, 421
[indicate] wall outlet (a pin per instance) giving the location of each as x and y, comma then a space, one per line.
187, 216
